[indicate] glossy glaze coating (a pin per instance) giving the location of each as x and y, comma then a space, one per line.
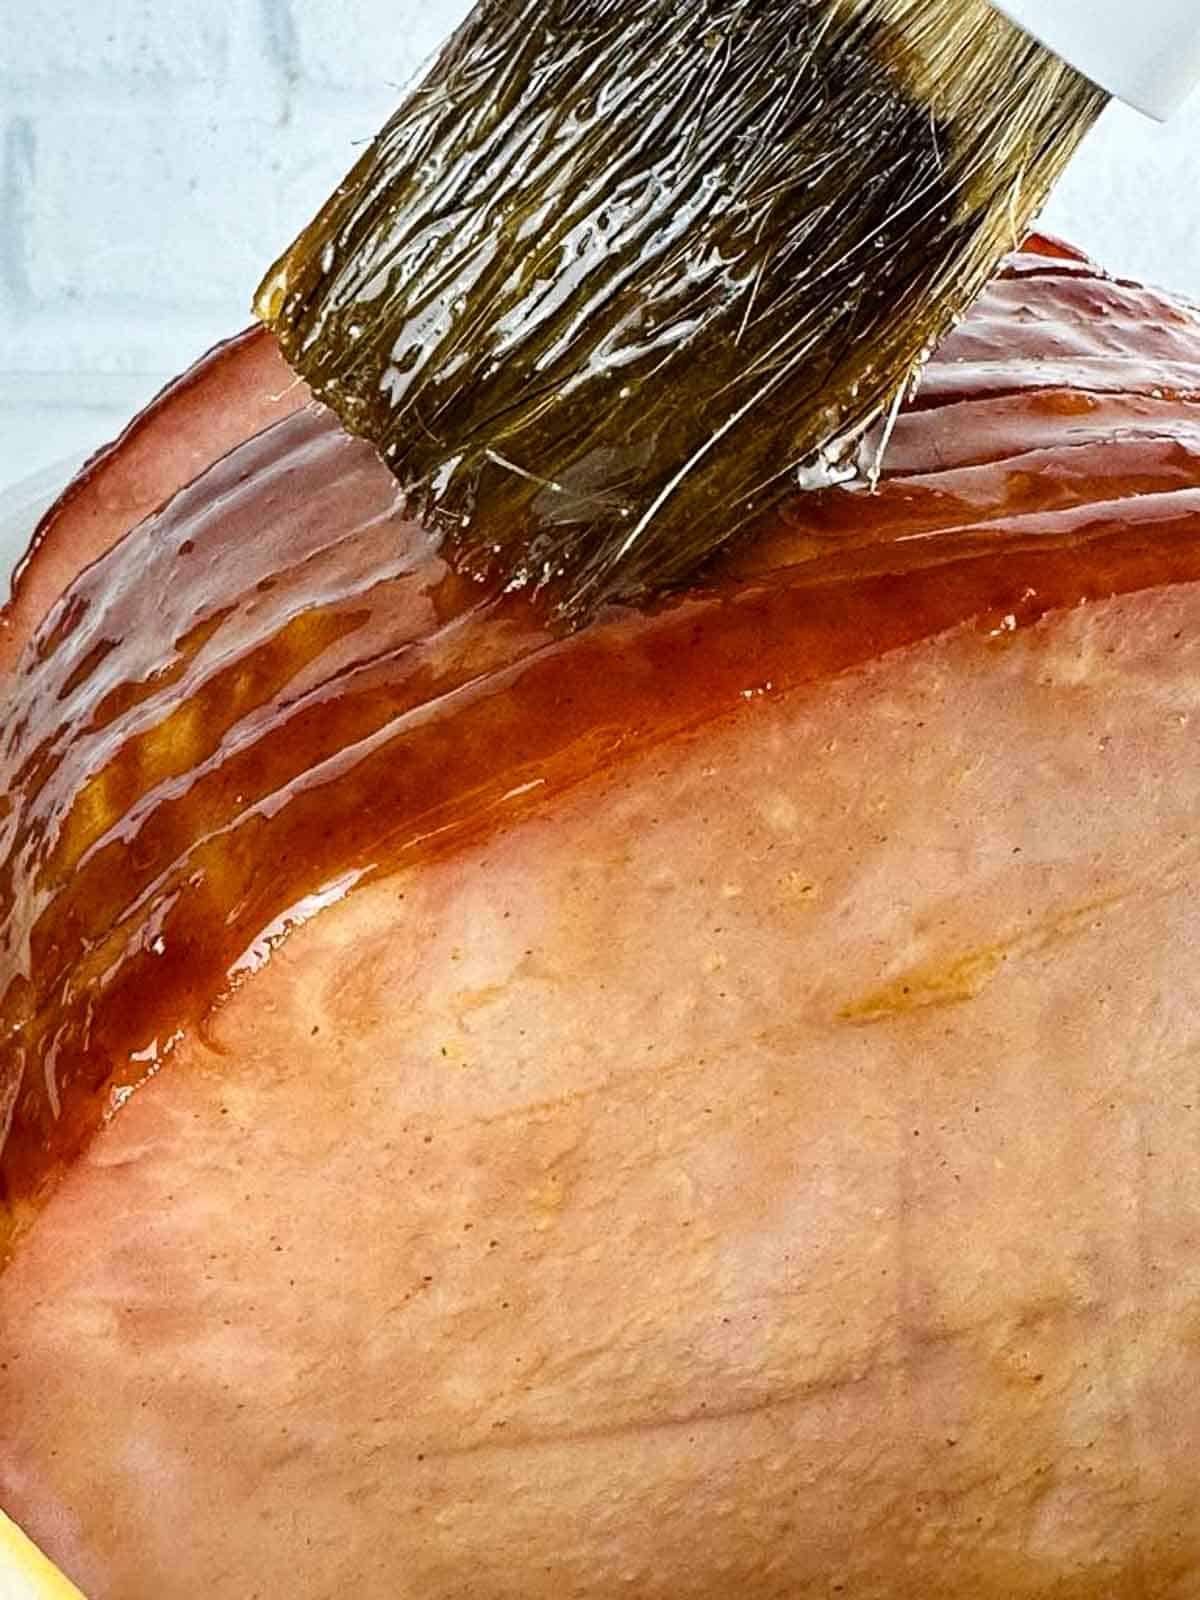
274, 688
234, 391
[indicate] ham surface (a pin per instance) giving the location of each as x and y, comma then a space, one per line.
707, 1105
230, 394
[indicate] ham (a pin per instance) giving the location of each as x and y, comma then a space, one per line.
223, 400
708, 1104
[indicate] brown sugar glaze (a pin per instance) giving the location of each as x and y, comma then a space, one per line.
274, 688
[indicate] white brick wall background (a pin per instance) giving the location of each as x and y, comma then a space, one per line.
155, 154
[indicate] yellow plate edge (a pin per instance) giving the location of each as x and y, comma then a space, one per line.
25, 1573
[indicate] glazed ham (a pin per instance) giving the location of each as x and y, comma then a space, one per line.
708, 1105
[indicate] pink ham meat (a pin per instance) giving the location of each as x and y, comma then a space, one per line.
708, 1106
236, 390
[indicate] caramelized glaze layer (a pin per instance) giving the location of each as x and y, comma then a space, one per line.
274, 688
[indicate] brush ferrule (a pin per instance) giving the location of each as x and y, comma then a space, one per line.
1146, 54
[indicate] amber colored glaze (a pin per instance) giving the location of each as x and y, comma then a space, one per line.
274, 688
234, 391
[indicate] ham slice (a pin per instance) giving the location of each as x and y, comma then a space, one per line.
228, 396
707, 1105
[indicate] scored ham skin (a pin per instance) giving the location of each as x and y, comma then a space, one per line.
768, 1161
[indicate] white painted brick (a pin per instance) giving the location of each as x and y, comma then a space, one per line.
18, 198
363, 43
143, 41
155, 154
119, 336
174, 210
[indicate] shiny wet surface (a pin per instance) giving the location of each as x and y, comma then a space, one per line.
274, 689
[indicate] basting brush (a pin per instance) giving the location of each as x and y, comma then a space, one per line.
620, 275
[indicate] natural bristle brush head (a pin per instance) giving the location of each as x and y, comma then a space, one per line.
620, 275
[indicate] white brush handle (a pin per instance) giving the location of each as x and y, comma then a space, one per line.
1146, 52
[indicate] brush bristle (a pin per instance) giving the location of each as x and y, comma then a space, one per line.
622, 274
